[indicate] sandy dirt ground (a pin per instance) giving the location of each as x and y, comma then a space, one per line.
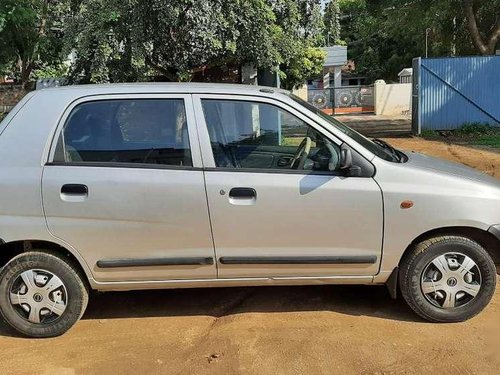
268, 330
482, 159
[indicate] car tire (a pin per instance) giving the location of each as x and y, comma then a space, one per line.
41, 294
447, 279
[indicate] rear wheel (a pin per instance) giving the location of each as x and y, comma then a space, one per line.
41, 295
447, 279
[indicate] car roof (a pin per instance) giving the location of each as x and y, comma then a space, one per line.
174, 87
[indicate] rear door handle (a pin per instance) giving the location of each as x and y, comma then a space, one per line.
75, 190
242, 193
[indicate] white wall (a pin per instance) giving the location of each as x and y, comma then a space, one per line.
392, 99
301, 92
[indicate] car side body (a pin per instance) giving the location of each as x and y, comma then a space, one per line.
146, 225
445, 195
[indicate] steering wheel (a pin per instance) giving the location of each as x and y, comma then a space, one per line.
300, 157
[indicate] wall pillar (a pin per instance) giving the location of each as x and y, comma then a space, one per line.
338, 76
378, 95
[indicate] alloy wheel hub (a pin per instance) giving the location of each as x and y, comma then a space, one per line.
451, 280
38, 296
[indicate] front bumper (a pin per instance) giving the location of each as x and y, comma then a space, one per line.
495, 230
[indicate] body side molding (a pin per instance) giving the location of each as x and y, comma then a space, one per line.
151, 262
369, 259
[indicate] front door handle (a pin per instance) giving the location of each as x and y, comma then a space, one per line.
242, 193
75, 190
241, 196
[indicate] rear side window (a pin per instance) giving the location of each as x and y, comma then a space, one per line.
143, 131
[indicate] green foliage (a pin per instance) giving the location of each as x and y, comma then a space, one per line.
308, 63
478, 133
492, 141
30, 35
471, 133
427, 133
384, 36
51, 71
476, 128
332, 23
129, 40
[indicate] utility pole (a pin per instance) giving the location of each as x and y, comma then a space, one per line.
427, 32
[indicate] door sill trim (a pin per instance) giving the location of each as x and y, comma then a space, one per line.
230, 282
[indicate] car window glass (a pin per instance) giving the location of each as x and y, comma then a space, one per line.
377, 149
145, 131
246, 134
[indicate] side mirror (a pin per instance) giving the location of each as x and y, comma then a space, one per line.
345, 157
346, 164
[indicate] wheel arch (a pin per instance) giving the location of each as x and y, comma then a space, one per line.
484, 238
9, 250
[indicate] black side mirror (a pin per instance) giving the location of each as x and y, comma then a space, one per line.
345, 157
346, 164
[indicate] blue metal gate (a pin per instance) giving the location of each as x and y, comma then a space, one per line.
453, 91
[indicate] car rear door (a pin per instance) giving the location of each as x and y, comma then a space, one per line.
269, 220
124, 187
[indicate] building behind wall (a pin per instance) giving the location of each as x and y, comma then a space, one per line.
336, 58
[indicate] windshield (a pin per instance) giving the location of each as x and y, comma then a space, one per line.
379, 148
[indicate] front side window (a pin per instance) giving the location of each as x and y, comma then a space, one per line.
143, 131
377, 147
246, 134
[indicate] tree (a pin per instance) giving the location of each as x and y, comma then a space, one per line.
299, 38
331, 20
128, 40
30, 35
485, 35
307, 64
383, 36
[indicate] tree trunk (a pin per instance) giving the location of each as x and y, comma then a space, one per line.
484, 47
26, 69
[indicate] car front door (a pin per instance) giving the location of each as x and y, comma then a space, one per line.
279, 205
124, 187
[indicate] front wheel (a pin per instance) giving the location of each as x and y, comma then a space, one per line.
41, 295
447, 279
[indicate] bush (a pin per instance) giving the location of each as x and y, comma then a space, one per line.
427, 133
475, 128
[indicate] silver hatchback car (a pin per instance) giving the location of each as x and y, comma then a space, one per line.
121, 187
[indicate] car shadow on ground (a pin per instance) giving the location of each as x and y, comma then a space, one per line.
354, 300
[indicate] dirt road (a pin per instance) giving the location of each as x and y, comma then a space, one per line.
280, 330
487, 161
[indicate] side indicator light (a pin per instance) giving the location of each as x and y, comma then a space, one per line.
406, 204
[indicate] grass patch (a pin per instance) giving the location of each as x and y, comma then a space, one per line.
475, 128
429, 134
489, 140
472, 133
